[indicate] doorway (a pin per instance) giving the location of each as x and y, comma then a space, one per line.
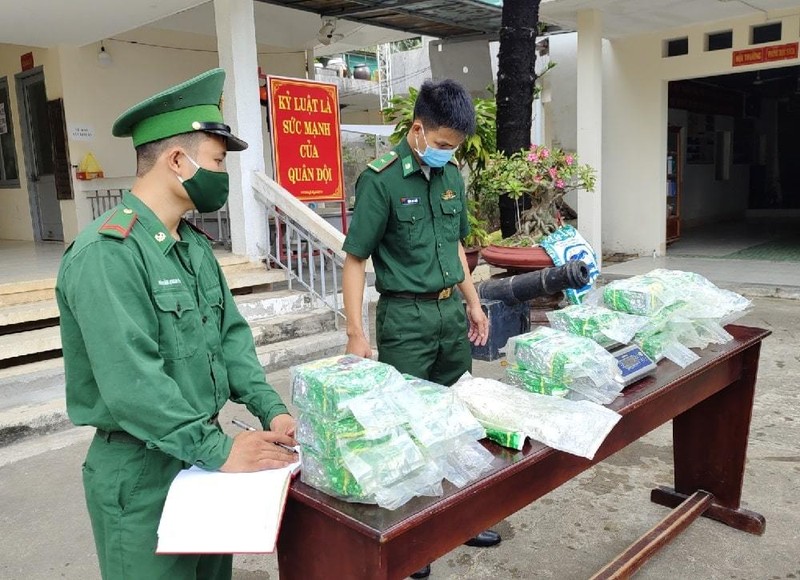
740, 181
39, 163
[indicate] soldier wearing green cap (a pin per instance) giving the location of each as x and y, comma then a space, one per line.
153, 342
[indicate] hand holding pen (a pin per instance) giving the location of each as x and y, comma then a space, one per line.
246, 427
255, 450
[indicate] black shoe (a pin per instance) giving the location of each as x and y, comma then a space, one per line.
484, 539
423, 572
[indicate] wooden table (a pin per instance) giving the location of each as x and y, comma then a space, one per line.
710, 405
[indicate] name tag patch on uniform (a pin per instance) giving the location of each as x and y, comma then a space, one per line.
449, 194
409, 201
169, 282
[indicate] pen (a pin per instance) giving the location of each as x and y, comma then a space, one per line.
246, 427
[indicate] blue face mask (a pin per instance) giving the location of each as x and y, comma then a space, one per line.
433, 157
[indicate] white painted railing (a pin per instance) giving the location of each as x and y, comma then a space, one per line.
302, 243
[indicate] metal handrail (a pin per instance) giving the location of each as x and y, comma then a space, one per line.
303, 244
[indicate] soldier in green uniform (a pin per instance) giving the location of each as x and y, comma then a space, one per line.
410, 217
153, 342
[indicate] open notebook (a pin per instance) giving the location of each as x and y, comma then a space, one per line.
210, 512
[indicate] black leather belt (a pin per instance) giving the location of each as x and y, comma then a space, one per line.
440, 295
126, 437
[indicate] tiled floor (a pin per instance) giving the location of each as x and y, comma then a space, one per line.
24, 261
28, 261
704, 251
700, 250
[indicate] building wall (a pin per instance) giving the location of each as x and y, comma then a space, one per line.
635, 132
95, 96
15, 210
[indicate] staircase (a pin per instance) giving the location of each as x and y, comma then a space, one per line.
32, 371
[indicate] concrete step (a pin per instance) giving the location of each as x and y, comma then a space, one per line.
28, 312
281, 355
27, 292
253, 278
290, 326
263, 305
32, 400
29, 342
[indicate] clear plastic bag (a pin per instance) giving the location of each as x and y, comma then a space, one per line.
552, 357
325, 387
604, 326
577, 427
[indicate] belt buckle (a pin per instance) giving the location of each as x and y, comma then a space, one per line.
445, 294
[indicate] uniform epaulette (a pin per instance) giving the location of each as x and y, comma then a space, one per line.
381, 163
199, 230
119, 224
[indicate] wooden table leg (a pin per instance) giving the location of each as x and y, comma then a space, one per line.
710, 447
624, 565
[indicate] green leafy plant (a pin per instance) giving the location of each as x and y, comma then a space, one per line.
543, 176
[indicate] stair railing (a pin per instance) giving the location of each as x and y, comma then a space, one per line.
303, 244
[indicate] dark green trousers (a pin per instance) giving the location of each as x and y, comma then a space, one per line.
424, 338
126, 485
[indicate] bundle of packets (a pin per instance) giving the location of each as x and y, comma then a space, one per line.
368, 434
553, 362
684, 311
577, 427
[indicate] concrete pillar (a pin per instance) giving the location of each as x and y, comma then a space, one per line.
590, 123
236, 43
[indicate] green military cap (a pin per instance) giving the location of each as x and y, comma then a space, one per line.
193, 105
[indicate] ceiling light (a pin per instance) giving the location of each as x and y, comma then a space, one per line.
103, 57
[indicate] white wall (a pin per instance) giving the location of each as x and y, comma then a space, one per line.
95, 96
635, 125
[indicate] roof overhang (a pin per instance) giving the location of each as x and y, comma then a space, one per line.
438, 18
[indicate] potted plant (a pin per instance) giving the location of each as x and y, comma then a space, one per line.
540, 176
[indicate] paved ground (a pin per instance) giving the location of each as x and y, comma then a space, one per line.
568, 534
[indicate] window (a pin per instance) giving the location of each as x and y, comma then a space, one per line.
719, 40
676, 47
9, 173
765, 33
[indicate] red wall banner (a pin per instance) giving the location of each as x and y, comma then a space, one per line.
765, 54
306, 140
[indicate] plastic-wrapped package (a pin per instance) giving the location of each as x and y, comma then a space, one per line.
604, 326
536, 382
377, 463
563, 357
644, 295
503, 436
437, 419
329, 474
323, 435
647, 294
325, 387
465, 464
577, 427
371, 435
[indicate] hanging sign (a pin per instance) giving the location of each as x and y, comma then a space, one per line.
26, 61
306, 140
765, 54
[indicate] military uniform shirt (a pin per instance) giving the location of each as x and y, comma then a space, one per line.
411, 226
153, 342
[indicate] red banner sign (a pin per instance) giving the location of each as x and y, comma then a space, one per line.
306, 140
26, 61
765, 54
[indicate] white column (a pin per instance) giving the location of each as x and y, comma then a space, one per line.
236, 42
590, 122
